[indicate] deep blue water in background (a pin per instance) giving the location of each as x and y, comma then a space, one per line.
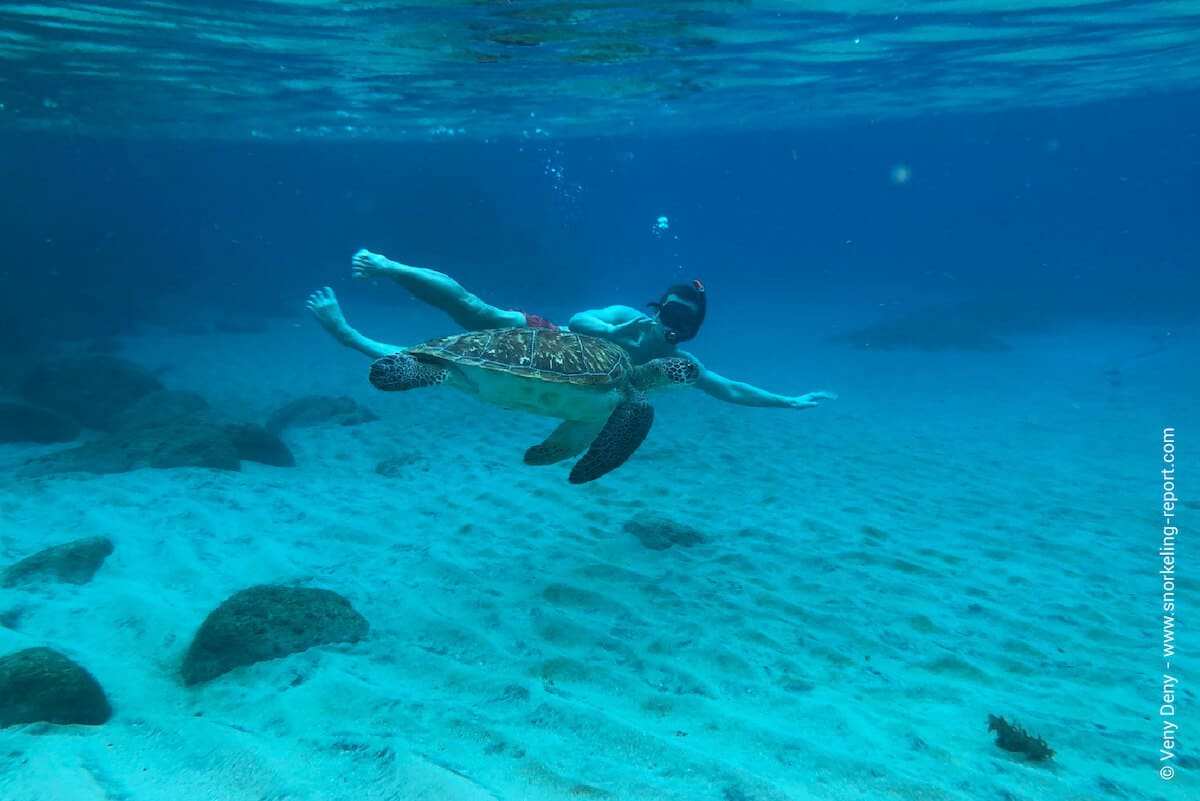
984, 527
1052, 214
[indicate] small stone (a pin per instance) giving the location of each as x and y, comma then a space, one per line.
660, 533
71, 563
396, 466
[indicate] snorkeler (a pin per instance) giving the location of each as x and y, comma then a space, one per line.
677, 317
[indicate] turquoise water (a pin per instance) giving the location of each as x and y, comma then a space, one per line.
505, 69
924, 480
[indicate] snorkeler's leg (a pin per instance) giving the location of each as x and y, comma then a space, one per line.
438, 290
324, 306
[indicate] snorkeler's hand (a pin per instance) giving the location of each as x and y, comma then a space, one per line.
810, 399
636, 330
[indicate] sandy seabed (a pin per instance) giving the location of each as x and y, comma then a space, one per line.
958, 535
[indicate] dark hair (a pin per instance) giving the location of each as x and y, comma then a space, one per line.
682, 320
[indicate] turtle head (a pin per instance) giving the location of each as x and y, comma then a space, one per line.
400, 372
674, 371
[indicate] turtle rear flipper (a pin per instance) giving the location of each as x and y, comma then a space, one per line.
569, 439
400, 371
625, 430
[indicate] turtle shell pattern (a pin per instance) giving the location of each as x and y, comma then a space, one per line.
539, 353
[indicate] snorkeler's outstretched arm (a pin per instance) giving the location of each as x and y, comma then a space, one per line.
623, 325
324, 306
744, 394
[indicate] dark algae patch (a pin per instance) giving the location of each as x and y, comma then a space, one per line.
1012, 737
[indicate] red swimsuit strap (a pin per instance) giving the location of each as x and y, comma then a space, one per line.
535, 321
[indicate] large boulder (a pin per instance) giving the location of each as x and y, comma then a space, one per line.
320, 410
24, 422
268, 622
256, 444
162, 408
938, 329
183, 443
40, 685
148, 426
91, 388
173, 445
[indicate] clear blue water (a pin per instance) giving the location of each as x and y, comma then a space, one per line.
1054, 214
929, 178
240, 152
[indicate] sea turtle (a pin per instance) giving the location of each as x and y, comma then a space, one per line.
588, 383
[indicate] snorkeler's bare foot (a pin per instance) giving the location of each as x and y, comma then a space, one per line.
366, 264
811, 399
324, 306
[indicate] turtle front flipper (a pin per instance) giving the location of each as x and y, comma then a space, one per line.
569, 439
625, 430
400, 371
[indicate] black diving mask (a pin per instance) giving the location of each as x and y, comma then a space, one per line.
681, 311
